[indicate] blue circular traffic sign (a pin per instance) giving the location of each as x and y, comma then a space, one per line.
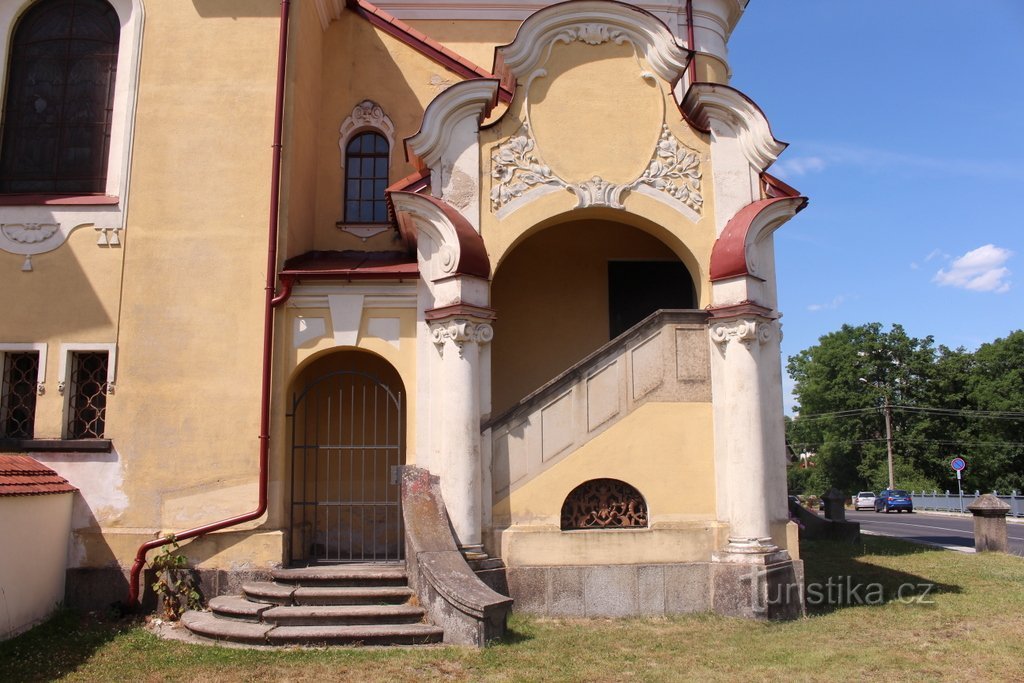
958, 464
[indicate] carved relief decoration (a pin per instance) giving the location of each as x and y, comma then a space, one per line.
30, 238
29, 233
366, 115
745, 331
517, 168
604, 504
460, 332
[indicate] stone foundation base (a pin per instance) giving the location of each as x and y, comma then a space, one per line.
761, 591
105, 587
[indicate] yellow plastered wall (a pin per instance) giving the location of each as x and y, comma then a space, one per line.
301, 123
185, 418
551, 296
664, 450
580, 103
71, 295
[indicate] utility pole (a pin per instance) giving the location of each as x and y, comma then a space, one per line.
887, 407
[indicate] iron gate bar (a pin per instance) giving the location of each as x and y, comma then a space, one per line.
379, 534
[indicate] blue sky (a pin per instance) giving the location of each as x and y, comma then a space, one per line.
905, 120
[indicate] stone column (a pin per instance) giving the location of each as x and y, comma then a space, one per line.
990, 523
458, 339
739, 341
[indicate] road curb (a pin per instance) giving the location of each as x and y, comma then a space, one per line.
958, 548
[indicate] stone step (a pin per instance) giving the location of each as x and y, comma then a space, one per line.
268, 591
343, 575
376, 634
351, 595
486, 563
208, 625
313, 615
237, 607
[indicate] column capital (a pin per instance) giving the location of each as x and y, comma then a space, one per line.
461, 311
744, 330
460, 331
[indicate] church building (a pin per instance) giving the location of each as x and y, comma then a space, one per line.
472, 298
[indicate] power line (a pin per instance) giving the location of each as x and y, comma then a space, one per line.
934, 442
981, 414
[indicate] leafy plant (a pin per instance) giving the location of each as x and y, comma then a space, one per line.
175, 583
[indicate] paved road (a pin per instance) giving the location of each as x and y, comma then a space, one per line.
956, 532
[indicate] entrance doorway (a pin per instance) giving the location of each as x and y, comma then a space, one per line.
347, 444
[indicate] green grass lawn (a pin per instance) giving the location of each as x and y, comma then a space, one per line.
959, 617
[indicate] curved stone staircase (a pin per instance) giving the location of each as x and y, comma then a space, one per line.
369, 604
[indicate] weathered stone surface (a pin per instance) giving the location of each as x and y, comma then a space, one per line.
760, 588
343, 575
99, 588
528, 587
651, 584
207, 625
391, 634
266, 591
469, 612
237, 607
313, 615
611, 591
351, 595
687, 588
565, 595
990, 533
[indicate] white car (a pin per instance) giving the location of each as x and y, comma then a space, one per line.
865, 500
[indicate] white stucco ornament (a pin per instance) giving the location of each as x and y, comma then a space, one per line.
461, 332
746, 331
674, 174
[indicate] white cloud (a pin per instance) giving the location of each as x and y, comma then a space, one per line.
798, 166
979, 270
830, 306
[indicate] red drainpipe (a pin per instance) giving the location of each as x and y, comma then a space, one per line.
689, 41
268, 335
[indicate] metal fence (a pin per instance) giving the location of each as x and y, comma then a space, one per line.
950, 502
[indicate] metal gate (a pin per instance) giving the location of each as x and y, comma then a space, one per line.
347, 446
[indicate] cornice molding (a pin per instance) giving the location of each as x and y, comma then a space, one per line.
712, 105
593, 22
474, 97
460, 249
734, 253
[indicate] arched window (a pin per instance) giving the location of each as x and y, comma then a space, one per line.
59, 102
604, 504
366, 178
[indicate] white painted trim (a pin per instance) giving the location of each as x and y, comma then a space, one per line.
460, 101
374, 296
727, 109
69, 218
346, 316
65, 354
594, 22
437, 247
366, 116
39, 347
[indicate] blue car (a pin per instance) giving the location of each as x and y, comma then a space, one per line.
894, 499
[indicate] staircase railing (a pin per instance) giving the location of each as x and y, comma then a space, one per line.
663, 358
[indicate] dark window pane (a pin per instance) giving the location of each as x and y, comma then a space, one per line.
366, 176
60, 88
18, 395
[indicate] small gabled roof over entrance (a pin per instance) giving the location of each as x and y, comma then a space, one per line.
21, 475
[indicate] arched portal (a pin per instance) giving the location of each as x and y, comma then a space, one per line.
347, 419
567, 290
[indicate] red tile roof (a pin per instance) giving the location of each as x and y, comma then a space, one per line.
21, 475
352, 265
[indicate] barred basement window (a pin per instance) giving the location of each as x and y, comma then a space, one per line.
604, 504
18, 397
87, 401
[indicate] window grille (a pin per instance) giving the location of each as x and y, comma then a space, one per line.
87, 402
60, 94
18, 399
366, 178
604, 504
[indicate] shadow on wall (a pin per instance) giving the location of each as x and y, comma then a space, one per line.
237, 8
